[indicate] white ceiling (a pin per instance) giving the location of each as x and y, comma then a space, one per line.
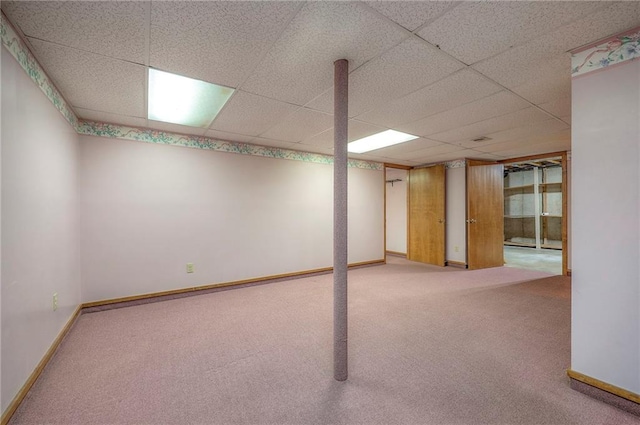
448, 72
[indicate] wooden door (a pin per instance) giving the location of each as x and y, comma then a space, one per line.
485, 214
426, 206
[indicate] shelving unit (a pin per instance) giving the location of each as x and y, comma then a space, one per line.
533, 206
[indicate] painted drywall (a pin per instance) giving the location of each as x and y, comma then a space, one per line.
397, 211
605, 217
456, 236
147, 210
39, 225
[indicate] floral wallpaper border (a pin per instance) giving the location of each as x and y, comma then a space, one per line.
164, 138
612, 51
456, 163
11, 40
28, 62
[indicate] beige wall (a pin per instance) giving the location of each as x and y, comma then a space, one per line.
39, 225
147, 210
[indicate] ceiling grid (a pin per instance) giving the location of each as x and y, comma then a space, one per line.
448, 72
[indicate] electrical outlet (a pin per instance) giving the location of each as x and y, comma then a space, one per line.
189, 267
456, 249
55, 301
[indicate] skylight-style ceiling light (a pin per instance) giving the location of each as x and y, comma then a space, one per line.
181, 100
379, 141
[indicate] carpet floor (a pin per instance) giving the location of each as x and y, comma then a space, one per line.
427, 345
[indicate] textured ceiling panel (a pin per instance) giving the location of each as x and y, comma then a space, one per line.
457, 89
560, 137
264, 113
220, 42
300, 65
275, 143
491, 125
525, 131
176, 128
357, 130
528, 149
90, 115
300, 125
546, 89
488, 107
80, 76
418, 155
233, 137
548, 53
560, 107
476, 30
400, 150
110, 28
447, 156
408, 67
411, 15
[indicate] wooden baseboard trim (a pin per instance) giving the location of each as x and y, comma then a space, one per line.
224, 284
456, 263
620, 392
17, 400
397, 254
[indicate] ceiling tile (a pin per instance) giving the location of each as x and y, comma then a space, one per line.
448, 156
313, 149
231, 137
300, 125
546, 89
492, 125
416, 155
476, 30
300, 65
114, 29
82, 77
525, 131
367, 157
219, 42
485, 108
408, 147
176, 128
411, 15
548, 53
275, 143
357, 130
250, 114
536, 149
560, 107
98, 116
413, 65
559, 139
457, 89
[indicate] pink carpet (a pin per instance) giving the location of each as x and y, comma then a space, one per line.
426, 346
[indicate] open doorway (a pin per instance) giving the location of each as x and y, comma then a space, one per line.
535, 214
396, 211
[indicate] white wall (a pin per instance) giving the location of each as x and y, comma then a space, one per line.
39, 225
147, 210
456, 235
605, 225
397, 211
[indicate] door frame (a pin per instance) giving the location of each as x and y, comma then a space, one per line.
565, 218
384, 182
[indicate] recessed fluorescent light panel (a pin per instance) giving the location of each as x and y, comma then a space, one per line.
181, 100
379, 141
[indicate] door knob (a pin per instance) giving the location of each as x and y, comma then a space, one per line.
440, 220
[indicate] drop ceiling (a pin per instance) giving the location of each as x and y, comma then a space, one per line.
448, 72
